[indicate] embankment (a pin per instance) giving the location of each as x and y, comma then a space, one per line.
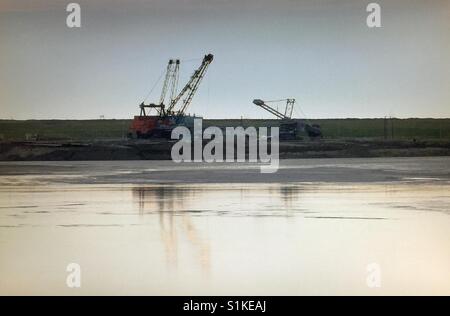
161, 150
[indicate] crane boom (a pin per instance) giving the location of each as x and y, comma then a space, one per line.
168, 118
190, 88
287, 112
171, 79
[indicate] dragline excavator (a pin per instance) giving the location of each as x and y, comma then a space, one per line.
289, 128
171, 113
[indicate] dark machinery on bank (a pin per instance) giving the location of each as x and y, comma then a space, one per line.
170, 113
290, 128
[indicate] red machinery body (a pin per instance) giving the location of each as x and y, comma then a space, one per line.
143, 125
152, 125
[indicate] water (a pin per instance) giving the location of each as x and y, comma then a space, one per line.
133, 233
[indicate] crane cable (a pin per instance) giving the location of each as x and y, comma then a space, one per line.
302, 113
271, 101
162, 74
154, 86
191, 59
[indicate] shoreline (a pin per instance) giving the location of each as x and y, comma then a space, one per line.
161, 149
313, 171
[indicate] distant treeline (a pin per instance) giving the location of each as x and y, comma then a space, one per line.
414, 128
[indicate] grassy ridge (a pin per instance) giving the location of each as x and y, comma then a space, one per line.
364, 128
64, 129
400, 128
332, 128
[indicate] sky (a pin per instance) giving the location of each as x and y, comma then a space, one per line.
319, 52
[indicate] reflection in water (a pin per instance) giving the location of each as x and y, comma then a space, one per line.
223, 239
175, 221
166, 200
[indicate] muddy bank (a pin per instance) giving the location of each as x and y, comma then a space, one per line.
161, 149
66, 151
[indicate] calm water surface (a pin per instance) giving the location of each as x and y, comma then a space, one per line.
220, 238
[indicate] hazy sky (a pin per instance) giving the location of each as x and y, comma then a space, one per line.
320, 52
